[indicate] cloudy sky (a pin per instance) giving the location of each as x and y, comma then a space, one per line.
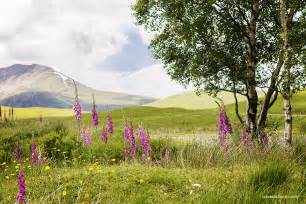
94, 41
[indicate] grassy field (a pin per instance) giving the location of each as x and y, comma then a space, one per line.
192, 173
36, 112
74, 173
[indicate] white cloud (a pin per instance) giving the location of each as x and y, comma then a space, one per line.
75, 37
151, 81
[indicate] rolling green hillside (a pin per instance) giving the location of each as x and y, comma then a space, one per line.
193, 102
190, 100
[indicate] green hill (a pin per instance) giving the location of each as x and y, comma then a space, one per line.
190, 100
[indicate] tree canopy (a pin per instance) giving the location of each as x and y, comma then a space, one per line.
228, 45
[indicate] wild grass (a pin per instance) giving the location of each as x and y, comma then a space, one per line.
195, 173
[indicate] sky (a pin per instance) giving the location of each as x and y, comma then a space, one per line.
93, 41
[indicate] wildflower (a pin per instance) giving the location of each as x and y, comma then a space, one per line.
104, 134
144, 142
17, 153
224, 129
47, 168
113, 160
34, 153
196, 185
77, 105
245, 141
110, 124
22, 188
86, 136
64, 193
0, 112
94, 113
141, 181
7, 177
132, 141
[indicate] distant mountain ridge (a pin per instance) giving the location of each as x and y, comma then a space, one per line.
41, 86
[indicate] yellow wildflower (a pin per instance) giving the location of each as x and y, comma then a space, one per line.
47, 168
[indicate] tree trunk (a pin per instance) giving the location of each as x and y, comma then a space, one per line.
251, 68
286, 68
288, 119
267, 103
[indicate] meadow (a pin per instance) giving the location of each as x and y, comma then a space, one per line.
176, 171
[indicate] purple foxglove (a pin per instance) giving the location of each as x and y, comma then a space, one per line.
86, 136
104, 134
21, 197
144, 142
77, 109
34, 152
245, 141
77, 105
224, 129
132, 141
110, 124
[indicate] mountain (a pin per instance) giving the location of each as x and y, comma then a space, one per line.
189, 100
41, 86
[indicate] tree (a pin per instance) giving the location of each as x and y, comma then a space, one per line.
291, 59
222, 45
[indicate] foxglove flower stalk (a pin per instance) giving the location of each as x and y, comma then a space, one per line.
144, 142
94, 113
21, 197
34, 152
110, 124
224, 129
12, 112
129, 141
77, 109
77, 105
132, 141
0, 112
245, 141
17, 153
104, 134
86, 136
